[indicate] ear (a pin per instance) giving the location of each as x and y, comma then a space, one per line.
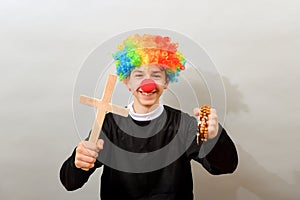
126, 82
167, 82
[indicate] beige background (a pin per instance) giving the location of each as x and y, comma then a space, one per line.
254, 44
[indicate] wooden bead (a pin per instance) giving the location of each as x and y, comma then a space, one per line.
203, 124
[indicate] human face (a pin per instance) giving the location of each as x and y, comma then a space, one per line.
146, 101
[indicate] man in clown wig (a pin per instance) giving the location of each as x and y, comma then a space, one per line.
163, 139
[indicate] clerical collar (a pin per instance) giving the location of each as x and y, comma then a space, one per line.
148, 116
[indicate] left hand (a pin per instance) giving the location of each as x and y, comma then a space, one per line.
213, 125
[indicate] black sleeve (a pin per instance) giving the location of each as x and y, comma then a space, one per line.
217, 156
72, 177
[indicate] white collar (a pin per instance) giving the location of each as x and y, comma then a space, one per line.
148, 116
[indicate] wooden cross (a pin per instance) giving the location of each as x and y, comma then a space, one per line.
103, 106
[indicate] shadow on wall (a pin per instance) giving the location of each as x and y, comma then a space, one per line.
235, 98
194, 85
258, 182
250, 176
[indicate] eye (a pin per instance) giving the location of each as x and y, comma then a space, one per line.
138, 75
156, 75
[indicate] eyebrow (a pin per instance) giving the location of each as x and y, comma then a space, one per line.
157, 71
137, 71
152, 71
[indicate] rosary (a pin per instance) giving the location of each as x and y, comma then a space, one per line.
202, 131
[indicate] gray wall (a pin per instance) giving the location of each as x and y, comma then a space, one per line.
254, 45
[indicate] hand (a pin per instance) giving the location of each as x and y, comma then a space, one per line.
87, 153
213, 125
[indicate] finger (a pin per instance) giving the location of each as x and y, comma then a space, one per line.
212, 132
213, 116
84, 158
82, 150
213, 111
93, 154
89, 145
212, 122
83, 165
196, 111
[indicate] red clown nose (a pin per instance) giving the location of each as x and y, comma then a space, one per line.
148, 85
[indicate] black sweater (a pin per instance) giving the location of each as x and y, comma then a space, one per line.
170, 182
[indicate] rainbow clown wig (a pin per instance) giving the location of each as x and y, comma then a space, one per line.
139, 50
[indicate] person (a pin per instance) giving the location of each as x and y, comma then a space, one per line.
147, 64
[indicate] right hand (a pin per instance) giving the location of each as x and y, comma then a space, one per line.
87, 153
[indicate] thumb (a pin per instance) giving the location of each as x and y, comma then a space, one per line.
100, 144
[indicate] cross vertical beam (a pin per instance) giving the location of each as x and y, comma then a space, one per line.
103, 106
